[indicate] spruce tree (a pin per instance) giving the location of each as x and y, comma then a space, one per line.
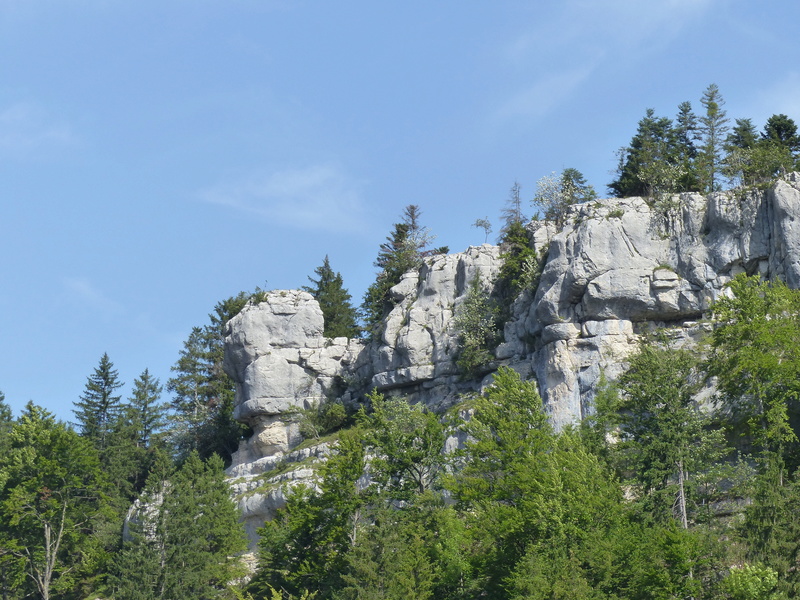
145, 409
650, 165
713, 130
203, 393
686, 134
334, 301
402, 252
98, 408
511, 214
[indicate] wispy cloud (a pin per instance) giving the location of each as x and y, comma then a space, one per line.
320, 197
555, 56
80, 290
540, 97
26, 130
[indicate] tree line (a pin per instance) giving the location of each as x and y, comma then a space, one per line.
652, 496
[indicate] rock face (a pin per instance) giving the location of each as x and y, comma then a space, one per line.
616, 268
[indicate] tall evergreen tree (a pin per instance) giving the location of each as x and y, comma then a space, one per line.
713, 130
651, 164
782, 130
402, 252
145, 409
6, 420
512, 211
189, 539
334, 301
686, 134
98, 408
203, 394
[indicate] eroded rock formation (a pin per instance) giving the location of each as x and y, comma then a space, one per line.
616, 269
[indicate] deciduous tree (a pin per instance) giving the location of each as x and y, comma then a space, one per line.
51, 500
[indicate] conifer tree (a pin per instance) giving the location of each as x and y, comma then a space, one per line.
186, 544
402, 252
713, 129
686, 134
512, 212
203, 392
98, 408
334, 301
145, 409
650, 165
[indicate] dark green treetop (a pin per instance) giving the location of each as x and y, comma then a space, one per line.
203, 393
98, 408
402, 252
334, 301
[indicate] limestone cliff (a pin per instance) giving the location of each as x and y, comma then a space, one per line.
616, 268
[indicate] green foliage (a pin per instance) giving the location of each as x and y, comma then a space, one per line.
665, 441
51, 502
322, 419
477, 325
653, 164
407, 442
145, 411
400, 253
98, 408
187, 543
713, 130
751, 582
334, 300
521, 266
752, 162
512, 211
305, 546
203, 393
756, 358
556, 193
538, 504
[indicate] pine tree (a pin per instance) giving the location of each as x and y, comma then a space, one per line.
512, 212
98, 408
203, 393
334, 301
650, 165
686, 134
145, 410
713, 129
402, 252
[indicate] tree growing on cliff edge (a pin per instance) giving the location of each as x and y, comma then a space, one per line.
556, 193
334, 301
402, 252
202, 392
511, 214
713, 130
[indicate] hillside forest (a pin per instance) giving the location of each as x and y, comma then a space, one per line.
657, 494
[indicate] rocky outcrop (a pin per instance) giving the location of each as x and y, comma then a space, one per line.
616, 268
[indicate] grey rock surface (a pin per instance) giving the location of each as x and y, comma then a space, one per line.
616, 269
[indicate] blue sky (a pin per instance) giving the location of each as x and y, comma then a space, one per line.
158, 157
